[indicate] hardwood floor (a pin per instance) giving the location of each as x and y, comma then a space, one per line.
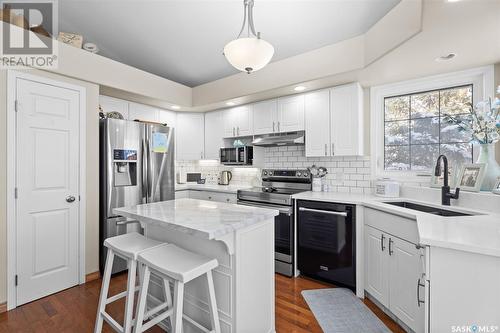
74, 310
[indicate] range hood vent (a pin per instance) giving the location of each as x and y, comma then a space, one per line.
278, 140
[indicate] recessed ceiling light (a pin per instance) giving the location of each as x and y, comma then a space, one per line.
447, 57
299, 88
230, 103
176, 107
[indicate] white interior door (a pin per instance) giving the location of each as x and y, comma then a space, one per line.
47, 178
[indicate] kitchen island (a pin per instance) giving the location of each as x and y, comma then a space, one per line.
241, 239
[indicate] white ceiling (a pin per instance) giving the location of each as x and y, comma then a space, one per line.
182, 40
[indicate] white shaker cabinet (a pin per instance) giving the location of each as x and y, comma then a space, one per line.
377, 265
167, 117
214, 129
347, 126
238, 121
142, 112
407, 289
265, 117
110, 104
317, 123
291, 113
190, 136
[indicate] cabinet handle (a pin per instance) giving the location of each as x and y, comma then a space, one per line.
238, 130
418, 292
382, 239
209, 198
333, 149
234, 132
227, 199
326, 149
329, 212
273, 126
390, 247
201, 155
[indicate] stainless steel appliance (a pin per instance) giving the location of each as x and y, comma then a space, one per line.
225, 177
276, 192
326, 242
236, 155
136, 166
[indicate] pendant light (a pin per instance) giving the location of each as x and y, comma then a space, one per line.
250, 53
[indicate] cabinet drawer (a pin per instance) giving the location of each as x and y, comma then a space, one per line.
213, 196
395, 225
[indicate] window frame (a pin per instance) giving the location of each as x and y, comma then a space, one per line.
482, 80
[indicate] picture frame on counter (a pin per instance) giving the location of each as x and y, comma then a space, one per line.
496, 188
471, 177
438, 181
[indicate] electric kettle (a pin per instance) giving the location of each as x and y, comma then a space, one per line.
225, 177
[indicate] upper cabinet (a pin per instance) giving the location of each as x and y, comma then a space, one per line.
109, 104
291, 113
214, 129
334, 121
347, 125
238, 121
317, 109
142, 112
190, 136
265, 117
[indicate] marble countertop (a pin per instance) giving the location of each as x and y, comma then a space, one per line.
205, 219
232, 189
478, 234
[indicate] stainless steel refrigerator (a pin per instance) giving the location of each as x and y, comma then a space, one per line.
136, 167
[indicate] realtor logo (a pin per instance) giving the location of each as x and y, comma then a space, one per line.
27, 30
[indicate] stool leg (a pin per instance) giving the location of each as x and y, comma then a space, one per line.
141, 304
214, 314
178, 305
104, 290
168, 297
129, 301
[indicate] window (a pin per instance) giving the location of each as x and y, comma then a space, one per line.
416, 132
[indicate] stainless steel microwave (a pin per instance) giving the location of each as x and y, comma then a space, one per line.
236, 155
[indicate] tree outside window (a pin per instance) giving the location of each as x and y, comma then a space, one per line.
415, 133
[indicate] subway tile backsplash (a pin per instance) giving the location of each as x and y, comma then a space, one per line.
210, 170
345, 174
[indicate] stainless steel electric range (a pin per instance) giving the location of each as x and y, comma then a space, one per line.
276, 192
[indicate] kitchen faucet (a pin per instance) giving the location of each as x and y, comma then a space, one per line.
446, 195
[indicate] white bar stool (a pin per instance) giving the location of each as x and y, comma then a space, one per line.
173, 263
128, 247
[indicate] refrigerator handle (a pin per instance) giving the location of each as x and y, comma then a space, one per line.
144, 170
149, 180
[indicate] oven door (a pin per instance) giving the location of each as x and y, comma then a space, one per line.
283, 230
229, 156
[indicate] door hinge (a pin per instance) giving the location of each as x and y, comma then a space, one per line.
15, 193
16, 105
15, 280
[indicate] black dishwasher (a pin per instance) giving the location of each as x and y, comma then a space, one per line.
326, 242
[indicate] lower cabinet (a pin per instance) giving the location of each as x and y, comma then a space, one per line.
207, 195
394, 276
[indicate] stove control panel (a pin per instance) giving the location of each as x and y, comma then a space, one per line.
273, 173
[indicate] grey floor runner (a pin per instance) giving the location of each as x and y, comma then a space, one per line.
338, 310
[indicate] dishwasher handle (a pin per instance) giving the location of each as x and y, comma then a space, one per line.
329, 212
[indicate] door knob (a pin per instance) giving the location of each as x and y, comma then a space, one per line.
70, 198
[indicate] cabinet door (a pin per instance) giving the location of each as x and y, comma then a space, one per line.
244, 122
406, 269
377, 265
190, 136
347, 120
109, 104
142, 112
317, 117
291, 113
167, 117
229, 117
214, 130
265, 117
